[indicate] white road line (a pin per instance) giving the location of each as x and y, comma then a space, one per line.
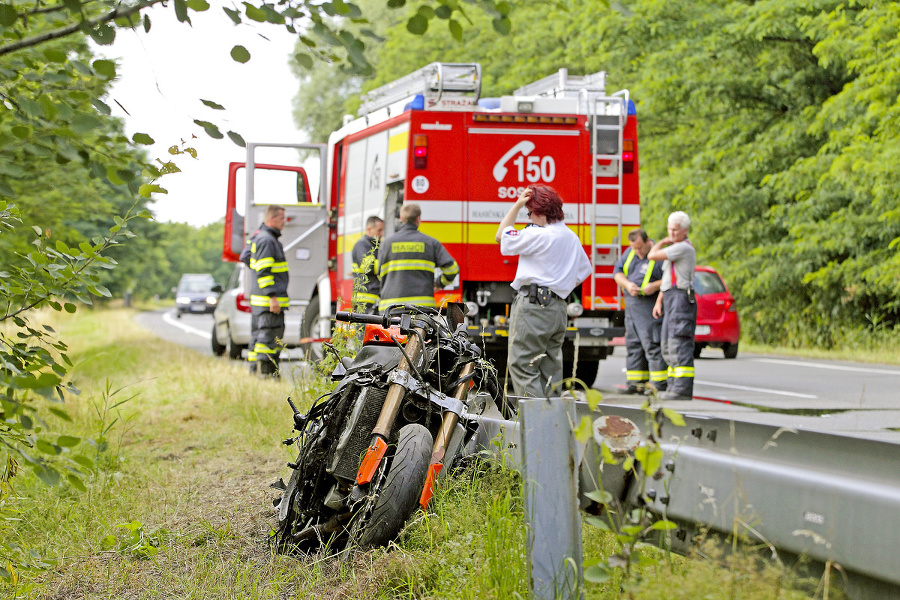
167, 317
753, 389
798, 363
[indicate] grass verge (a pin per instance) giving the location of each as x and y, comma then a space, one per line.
180, 507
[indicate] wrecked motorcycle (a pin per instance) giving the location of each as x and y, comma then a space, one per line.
371, 450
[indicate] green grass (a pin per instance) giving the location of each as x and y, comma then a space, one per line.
190, 457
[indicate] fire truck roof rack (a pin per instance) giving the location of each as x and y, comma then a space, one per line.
434, 82
563, 85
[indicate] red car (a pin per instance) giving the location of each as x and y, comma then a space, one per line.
717, 318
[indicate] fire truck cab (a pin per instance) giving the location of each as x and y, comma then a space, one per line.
429, 138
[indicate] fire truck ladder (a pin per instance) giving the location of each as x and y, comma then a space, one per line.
434, 82
607, 115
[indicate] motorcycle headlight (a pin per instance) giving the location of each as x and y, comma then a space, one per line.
575, 309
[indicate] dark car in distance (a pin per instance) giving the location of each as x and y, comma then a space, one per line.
196, 293
717, 318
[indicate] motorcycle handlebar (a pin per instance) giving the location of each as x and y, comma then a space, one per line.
352, 317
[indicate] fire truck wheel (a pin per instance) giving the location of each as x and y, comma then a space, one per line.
312, 351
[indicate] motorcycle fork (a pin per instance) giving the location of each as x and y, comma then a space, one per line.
448, 424
389, 410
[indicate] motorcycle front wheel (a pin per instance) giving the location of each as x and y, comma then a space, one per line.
399, 496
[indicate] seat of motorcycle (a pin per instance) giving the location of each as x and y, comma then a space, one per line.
375, 357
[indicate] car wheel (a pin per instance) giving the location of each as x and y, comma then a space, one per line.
731, 350
217, 347
698, 348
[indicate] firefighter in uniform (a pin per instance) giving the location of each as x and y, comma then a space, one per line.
268, 293
552, 263
366, 285
406, 263
640, 279
677, 306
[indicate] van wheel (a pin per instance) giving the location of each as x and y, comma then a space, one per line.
314, 352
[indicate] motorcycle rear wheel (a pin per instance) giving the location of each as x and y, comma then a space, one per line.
402, 488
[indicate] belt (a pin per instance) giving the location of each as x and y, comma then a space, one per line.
538, 294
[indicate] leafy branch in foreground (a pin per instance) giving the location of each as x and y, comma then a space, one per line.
34, 363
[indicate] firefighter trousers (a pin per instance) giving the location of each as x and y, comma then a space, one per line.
643, 334
536, 335
266, 342
679, 323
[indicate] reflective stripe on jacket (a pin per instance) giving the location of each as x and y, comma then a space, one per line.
407, 261
270, 268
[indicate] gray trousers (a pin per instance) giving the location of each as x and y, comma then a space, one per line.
536, 335
267, 341
643, 333
679, 323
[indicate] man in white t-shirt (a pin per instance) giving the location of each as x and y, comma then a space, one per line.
552, 263
677, 306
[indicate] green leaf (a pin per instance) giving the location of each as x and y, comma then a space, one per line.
60, 413
104, 34
396, 3
674, 416
105, 68
237, 139
597, 574
47, 448
585, 429
443, 12
213, 105
85, 123
664, 525
22, 132
502, 26
101, 106
48, 475
233, 15
198, 5
146, 23
143, 139
597, 522
254, 13
417, 24
76, 482
8, 15
304, 60
68, 441
211, 130
593, 398
240, 54
456, 29
426, 11
650, 459
55, 55
181, 11
109, 542
70, 308
601, 496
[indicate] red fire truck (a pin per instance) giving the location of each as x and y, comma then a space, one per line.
429, 138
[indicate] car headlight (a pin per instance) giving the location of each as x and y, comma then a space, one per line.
182, 300
211, 299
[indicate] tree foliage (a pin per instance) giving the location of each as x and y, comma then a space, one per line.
774, 124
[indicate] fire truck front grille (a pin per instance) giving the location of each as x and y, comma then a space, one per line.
348, 462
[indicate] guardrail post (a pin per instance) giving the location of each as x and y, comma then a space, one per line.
550, 489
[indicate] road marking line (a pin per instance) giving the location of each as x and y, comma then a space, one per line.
829, 367
754, 389
167, 317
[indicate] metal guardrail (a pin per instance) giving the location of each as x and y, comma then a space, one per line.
831, 498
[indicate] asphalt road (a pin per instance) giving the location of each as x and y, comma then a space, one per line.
840, 397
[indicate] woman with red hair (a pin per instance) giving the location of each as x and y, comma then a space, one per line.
552, 263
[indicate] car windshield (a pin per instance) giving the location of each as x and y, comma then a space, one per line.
707, 283
197, 286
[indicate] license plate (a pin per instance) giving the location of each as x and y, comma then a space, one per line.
202, 308
702, 330
585, 322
